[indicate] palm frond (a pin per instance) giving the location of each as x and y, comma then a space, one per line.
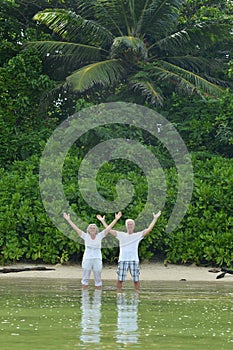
147, 89
191, 40
105, 73
173, 42
140, 22
67, 51
132, 6
195, 64
108, 41
208, 33
73, 27
186, 81
119, 15
106, 12
160, 17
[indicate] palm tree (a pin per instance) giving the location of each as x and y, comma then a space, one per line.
138, 43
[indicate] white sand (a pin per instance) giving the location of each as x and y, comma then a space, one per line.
149, 272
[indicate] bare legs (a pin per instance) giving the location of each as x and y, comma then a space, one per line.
136, 286
119, 286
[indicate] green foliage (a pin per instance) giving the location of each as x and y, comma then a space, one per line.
21, 86
205, 125
199, 10
230, 69
203, 236
23, 127
10, 32
26, 232
16, 25
107, 44
206, 233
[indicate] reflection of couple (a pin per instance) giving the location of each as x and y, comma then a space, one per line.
91, 314
128, 258
127, 318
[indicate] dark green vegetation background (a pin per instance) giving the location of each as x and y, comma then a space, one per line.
32, 106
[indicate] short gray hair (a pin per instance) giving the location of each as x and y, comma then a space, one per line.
129, 220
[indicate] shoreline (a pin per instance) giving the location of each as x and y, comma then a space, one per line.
149, 271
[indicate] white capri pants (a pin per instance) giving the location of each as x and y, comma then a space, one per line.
96, 266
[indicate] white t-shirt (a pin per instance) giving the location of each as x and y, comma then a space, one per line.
92, 246
129, 245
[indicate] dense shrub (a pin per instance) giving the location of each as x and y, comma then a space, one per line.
26, 232
23, 125
204, 125
206, 233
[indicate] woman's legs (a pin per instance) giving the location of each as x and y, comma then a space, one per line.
97, 271
86, 267
96, 266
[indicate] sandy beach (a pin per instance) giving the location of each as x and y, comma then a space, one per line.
149, 271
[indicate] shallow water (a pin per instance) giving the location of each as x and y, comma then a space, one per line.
56, 314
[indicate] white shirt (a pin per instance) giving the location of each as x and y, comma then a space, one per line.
129, 245
92, 246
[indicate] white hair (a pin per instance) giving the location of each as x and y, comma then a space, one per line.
129, 220
97, 230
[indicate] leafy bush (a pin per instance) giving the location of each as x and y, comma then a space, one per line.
204, 236
26, 232
23, 128
206, 233
205, 126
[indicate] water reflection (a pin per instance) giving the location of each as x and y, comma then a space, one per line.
91, 314
127, 319
47, 314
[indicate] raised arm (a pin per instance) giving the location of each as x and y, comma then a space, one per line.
108, 228
68, 219
152, 224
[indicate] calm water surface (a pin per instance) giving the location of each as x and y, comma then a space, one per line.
56, 314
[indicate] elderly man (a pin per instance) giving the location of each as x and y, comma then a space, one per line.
129, 242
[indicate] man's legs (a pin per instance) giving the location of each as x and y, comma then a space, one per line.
121, 272
119, 285
134, 271
137, 286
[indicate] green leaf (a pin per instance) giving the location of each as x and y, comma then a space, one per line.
73, 27
105, 73
148, 89
185, 80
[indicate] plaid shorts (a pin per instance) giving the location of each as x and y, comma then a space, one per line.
124, 266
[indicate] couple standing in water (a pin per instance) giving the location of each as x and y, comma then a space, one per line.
128, 257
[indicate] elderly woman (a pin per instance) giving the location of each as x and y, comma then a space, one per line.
92, 257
